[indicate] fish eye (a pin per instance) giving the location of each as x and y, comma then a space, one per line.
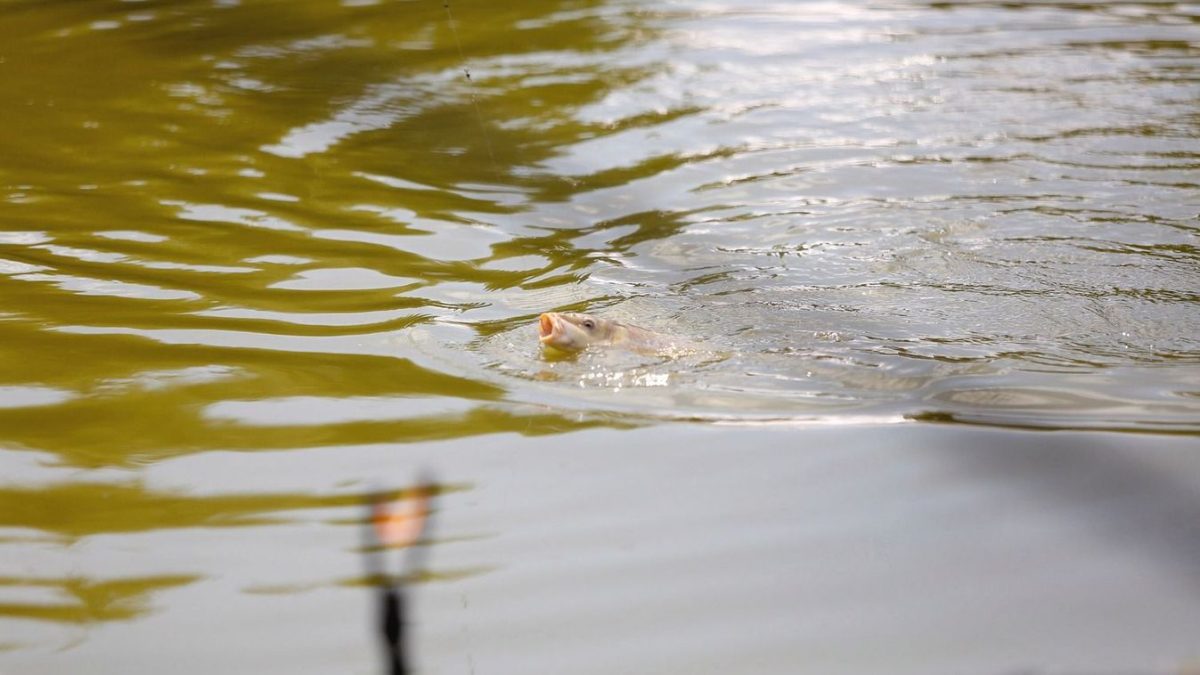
589, 324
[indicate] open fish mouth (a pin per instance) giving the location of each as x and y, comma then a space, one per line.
546, 327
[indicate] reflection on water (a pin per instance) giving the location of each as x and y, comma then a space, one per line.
87, 601
855, 216
82, 509
402, 524
233, 227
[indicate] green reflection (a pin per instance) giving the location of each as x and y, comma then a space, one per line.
93, 601
423, 576
81, 509
205, 203
267, 195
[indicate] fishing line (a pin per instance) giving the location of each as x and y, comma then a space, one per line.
487, 142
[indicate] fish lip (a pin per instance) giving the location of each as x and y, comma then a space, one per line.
547, 327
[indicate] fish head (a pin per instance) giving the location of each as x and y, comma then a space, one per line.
572, 332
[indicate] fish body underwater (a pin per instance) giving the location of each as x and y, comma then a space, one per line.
570, 332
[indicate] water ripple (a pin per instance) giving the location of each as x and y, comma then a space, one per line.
856, 203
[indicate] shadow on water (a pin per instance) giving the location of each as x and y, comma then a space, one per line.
1143, 502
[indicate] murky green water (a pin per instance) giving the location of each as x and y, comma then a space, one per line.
259, 258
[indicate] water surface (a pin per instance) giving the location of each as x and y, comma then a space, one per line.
259, 258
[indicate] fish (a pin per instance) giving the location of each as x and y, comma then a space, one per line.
571, 332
